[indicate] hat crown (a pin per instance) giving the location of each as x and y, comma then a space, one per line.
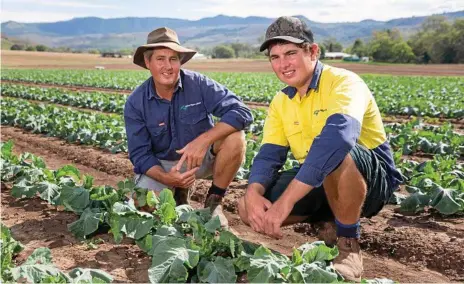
162, 35
289, 26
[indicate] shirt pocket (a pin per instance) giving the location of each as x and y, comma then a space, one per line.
195, 123
160, 139
294, 135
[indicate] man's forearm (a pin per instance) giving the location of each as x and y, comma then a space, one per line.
220, 131
256, 187
295, 191
159, 174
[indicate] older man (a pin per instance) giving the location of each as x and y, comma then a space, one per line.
169, 123
329, 119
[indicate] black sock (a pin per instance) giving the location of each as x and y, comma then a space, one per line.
216, 190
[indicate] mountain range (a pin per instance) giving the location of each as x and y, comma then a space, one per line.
118, 33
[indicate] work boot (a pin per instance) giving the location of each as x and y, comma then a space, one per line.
214, 202
349, 260
326, 231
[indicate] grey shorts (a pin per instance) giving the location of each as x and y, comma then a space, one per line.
205, 170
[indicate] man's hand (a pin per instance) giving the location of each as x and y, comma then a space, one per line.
281, 209
193, 153
275, 216
175, 178
256, 205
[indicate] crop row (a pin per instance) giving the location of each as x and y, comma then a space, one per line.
405, 95
410, 138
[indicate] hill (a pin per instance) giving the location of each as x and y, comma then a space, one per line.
118, 33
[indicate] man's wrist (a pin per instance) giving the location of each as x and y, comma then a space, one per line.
256, 188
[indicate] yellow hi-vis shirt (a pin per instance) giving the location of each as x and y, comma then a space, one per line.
321, 127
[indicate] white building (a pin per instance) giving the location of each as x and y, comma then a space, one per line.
336, 55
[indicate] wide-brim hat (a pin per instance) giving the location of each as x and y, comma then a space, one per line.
163, 37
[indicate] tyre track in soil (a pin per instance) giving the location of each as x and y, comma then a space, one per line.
388, 119
392, 240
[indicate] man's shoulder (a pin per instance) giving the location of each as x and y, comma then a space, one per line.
141, 91
335, 74
191, 76
280, 99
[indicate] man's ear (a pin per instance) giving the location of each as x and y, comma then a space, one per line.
146, 61
314, 51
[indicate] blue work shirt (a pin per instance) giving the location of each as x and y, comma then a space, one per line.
157, 127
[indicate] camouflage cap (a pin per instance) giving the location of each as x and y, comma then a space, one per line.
289, 29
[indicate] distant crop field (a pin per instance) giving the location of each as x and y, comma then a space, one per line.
49, 60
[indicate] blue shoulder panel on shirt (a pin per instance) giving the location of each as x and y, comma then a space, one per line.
328, 150
267, 164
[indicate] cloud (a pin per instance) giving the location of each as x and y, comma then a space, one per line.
36, 17
322, 11
70, 4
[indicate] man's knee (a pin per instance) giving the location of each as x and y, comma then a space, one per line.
242, 210
233, 143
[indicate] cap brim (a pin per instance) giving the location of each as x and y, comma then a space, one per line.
291, 39
185, 53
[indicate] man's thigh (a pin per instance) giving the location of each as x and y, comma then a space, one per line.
205, 170
144, 181
374, 172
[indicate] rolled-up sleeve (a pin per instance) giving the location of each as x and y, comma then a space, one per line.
223, 103
348, 102
138, 140
273, 152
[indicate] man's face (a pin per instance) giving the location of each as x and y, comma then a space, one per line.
164, 66
292, 65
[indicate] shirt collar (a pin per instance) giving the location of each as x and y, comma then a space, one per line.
314, 84
152, 91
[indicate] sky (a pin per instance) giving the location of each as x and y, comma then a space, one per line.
328, 11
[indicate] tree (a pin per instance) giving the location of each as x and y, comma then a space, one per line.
17, 47
41, 47
458, 26
321, 51
223, 51
93, 51
239, 48
438, 41
402, 53
331, 45
31, 48
388, 46
358, 48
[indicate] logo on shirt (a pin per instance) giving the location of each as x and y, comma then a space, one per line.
184, 107
316, 112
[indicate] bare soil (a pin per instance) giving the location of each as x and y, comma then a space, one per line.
424, 248
50, 60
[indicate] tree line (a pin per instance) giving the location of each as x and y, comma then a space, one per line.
436, 41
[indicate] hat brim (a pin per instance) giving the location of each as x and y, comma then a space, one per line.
185, 53
291, 39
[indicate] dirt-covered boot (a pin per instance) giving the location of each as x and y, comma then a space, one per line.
326, 231
214, 202
349, 261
